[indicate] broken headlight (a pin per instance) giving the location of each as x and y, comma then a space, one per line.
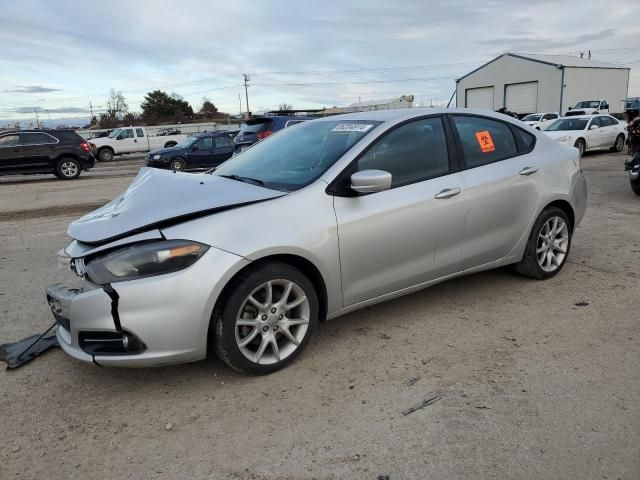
144, 260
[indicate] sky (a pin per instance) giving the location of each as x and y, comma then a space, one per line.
58, 56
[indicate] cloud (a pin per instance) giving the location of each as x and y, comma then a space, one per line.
32, 89
41, 109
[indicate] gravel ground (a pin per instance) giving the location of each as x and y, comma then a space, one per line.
534, 380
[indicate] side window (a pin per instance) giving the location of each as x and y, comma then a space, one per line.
223, 141
139, 132
205, 143
37, 139
550, 116
524, 140
607, 121
596, 121
411, 153
128, 133
484, 140
8, 140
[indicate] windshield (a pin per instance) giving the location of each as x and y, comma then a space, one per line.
588, 104
115, 133
568, 124
186, 142
532, 118
256, 125
294, 157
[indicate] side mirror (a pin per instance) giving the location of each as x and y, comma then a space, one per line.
593, 127
370, 181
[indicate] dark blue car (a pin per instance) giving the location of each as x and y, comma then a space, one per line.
259, 128
204, 150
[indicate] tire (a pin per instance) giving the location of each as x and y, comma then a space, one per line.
635, 186
170, 144
536, 262
178, 164
68, 169
581, 146
105, 155
618, 145
266, 317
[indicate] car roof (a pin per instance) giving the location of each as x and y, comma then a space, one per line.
213, 133
399, 114
588, 116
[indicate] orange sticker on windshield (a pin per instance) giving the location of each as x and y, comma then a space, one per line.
485, 141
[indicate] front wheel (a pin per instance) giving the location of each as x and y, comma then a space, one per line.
266, 320
548, 245
178, 164
618, 145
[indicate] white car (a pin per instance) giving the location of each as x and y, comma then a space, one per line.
131, 140
540, 121
588, 132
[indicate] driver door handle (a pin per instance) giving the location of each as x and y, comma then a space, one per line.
447, 193
528, 170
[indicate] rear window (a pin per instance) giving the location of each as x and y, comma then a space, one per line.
67, 136
256, 125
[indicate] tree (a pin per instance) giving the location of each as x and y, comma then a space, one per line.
116, 104
161, 106
107, 121
285, 107
94, 120
208, 108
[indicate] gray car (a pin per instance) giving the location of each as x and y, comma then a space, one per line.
316, 221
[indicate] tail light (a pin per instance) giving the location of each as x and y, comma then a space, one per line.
85, 146
265, 134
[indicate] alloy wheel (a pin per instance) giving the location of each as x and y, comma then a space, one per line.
272, 321
69, 169
177, 165
552, 244
619, 143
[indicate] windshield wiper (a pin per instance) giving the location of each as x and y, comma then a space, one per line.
255, 181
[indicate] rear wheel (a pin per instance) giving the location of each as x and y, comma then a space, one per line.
178, 164
635, 185
581, 146
68, 169
618, 145
548, 245
266, 320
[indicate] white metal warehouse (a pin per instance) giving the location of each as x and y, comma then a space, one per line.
529, 83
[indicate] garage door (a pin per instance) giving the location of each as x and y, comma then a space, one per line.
479, 98
522, 97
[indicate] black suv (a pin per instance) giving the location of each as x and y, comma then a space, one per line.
61, 152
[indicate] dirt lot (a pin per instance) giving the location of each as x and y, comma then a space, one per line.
538, 380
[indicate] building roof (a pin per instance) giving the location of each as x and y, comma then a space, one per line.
372, 103
555, 60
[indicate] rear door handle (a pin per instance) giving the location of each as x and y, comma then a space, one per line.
528, 170
447, 193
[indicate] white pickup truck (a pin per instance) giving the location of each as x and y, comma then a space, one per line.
130, 140
588, 107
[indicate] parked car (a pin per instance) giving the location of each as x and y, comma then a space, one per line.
168, 131
588, 107
199, 151
588, 132
131, 140
259, 128
61, 152
540, 120
317, 221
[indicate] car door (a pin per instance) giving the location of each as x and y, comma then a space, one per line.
411, 233
10, 153
503, 181
37, 150
611, 132
140, 142
223, 149
127, 142
202, 153
596, 137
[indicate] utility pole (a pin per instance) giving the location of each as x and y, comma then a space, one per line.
91, 110
49, 113
240, 102
246, 92
35, 110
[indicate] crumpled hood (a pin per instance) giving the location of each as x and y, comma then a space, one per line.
157, 198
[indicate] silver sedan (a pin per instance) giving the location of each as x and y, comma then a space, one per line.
316, 221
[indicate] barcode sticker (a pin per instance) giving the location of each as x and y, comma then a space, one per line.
352, 127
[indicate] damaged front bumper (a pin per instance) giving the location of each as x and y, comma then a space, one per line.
154, 321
